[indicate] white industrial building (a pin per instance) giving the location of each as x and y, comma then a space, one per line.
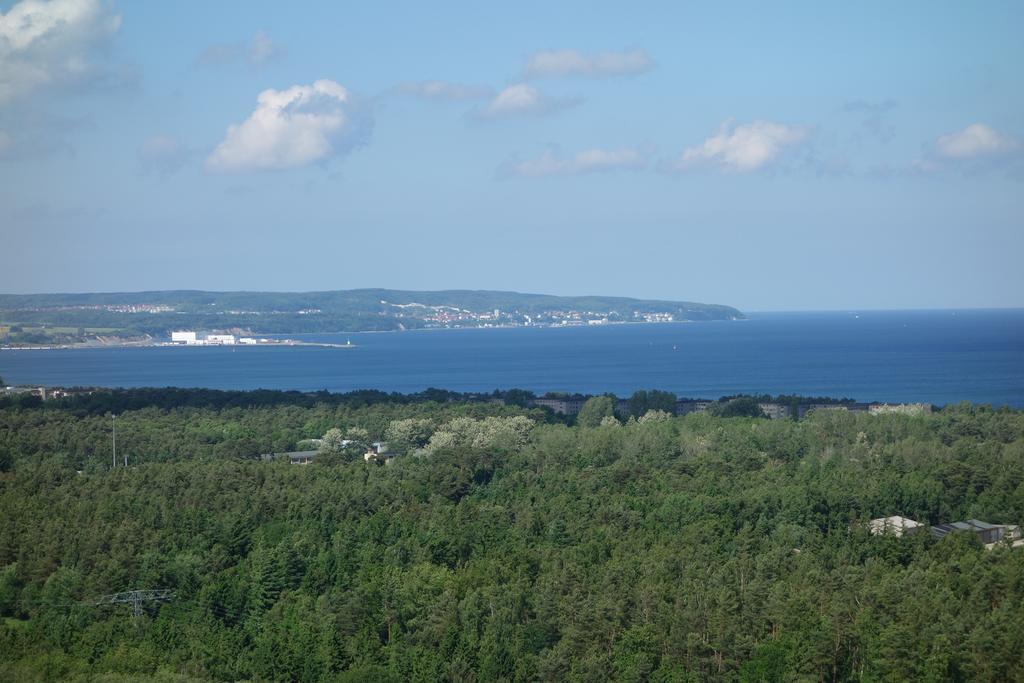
184, 337
190, 338
215, 339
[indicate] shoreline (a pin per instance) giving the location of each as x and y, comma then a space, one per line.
83, 347
293, 342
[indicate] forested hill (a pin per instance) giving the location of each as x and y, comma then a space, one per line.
336, 311
500, 545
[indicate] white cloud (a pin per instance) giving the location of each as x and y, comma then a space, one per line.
444, 90
515, 99
975, 149
574, 63
974, 141
162, 154
523, 98
745, 147
295, 127
52, 44
587, 161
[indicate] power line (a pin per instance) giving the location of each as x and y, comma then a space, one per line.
136, 598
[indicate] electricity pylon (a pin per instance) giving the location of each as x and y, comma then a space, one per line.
136, 598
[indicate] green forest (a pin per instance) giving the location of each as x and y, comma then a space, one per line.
501, 543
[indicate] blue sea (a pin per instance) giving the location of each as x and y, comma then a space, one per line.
931, 356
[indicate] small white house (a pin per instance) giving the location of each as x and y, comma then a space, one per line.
183, 337
378, 452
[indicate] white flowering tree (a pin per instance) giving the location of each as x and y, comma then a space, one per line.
488, 433
405, 436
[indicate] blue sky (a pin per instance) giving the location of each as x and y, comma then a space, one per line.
798, 156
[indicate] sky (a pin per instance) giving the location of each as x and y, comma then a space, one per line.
769, 156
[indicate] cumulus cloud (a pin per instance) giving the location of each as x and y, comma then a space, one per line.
162, 154
257, 52
444, 90
523, 98
298, 126
978, 148
53, 44
744, 147
573, 63
975, 141
587, 161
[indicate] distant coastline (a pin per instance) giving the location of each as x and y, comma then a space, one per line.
58, 320
281, 342
157, 343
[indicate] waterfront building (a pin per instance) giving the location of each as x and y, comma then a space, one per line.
225, 339
687, 406
563, 405
775, 411
903, 408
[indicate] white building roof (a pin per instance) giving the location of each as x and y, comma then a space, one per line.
895, 525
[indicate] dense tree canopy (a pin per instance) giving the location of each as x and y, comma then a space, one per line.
595, 410
741, 406
643, 401
500, 546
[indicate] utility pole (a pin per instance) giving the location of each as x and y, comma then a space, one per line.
113, 432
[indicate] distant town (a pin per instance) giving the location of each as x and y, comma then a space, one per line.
453, 317
431, 315
408, 316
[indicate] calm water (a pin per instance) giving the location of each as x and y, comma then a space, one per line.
933, 356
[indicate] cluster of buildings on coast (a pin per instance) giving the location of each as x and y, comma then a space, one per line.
776, 410
45, 393
109, 308
190, 338
454, 317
